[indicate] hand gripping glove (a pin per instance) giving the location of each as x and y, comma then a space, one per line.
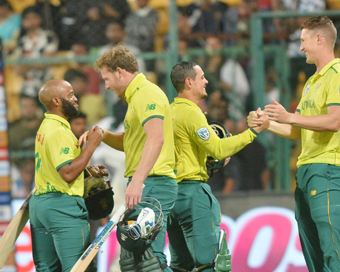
98, 192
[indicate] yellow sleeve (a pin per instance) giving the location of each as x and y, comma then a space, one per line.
148, 106
62, 149
205, 137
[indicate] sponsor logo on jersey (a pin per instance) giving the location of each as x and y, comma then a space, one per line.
203, 133
306, 90
309, 104
150, 107
317, 87
64, 150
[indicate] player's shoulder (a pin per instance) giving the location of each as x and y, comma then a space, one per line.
151, 94
54, 127
334, 69
185, 107
194, 115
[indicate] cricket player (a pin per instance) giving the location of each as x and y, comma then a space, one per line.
316, 122
58, 215
148, 140
194, 224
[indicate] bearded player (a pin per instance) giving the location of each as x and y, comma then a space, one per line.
58, 215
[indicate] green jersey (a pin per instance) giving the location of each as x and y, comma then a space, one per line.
55, 146
194, 138
146, 101
320, 91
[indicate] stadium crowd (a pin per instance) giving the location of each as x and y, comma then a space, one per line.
79, 28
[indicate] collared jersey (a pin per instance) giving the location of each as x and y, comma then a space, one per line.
55, 146
146, 101
320, 91
194, 139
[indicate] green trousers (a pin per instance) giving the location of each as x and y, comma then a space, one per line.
164, 189
194, 226
60, 231
317, 211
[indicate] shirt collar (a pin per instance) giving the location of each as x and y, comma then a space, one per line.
328, 65
179, 100
57, 118
134, 86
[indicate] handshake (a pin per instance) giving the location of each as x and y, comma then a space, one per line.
259, 120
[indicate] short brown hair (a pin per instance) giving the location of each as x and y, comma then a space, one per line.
117, 56
324, 25
180, 72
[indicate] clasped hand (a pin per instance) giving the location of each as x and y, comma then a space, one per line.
275, 112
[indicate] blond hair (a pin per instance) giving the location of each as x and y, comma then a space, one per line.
324, 25
117, 56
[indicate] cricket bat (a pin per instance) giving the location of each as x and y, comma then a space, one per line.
92, 250
14, 229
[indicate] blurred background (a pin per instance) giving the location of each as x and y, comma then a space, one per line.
249, 51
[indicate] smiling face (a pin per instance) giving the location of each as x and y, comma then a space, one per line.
113, 81
69, 106
309, 41
199, 84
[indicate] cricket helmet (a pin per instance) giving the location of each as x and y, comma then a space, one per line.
138, 227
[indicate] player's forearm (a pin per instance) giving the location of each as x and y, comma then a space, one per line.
321, 123
227, 147
114, 139
285, 130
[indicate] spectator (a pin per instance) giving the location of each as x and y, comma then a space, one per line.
91, 30
184, 30
93, 105
212, 63
266, 6
140, 28
10, 23
235, 86
253, 159
115, 34
292, 29
94, 79
72, 15
35, 43
217, 107
50, 16
85, 23
78, 124
236, 21
22, 177
112, 10
206, 17
22, 133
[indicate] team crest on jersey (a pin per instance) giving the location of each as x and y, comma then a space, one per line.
307, 88
317, 87
203, 133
